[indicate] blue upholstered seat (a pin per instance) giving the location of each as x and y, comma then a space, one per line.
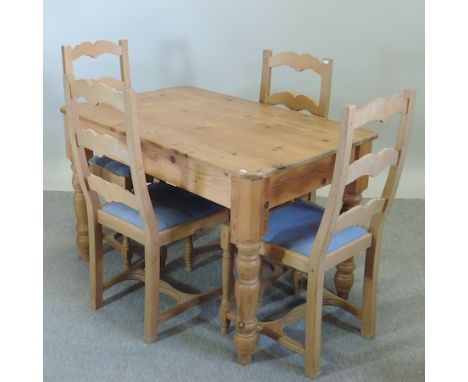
111, 165
173, 206
294, 226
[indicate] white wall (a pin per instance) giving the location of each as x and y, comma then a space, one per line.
377, 47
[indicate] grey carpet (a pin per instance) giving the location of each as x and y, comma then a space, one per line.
106, 345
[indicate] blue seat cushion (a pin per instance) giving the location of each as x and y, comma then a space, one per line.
172, 206
294, 226
111, 165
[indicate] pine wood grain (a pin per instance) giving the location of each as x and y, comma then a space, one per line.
237, 136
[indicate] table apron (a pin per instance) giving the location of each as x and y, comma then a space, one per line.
211, 182
214, 184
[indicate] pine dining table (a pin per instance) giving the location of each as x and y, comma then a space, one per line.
244, 155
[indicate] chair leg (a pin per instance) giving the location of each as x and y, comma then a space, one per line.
265, 282
151, 308
370, 292
263, 285
162, 257
298, 279
313, 323
227, 266
188, 253
96, 265
126, 251
312, 197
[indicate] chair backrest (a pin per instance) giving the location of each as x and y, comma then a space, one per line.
94, 50
373, 213
126, 150
298, 62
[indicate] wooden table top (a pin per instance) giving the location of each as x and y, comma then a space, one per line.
240, 137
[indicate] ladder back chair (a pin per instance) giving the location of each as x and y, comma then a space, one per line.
109, 169
299, 63
323, 68
154, 215
112, 170
311, 239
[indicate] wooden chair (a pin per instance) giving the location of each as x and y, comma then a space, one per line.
110, 169
324, 69
154, 215
300, 102
299, 63
107, 168
311, 239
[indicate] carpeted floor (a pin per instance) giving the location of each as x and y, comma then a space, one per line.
106, 345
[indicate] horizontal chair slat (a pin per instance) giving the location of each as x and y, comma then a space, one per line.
97, 92
95, 49
297, 103
372, 164
359, 214
381, 110
297, 62
111, 192
113, 83
103, 145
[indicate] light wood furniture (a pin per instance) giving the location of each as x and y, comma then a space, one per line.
312, 240
323, 68
94, 50
134, 214
109, 169
299, 63
246, 156
99, 166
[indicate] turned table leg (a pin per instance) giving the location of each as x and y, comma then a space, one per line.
82, 240
79, 204
249, 209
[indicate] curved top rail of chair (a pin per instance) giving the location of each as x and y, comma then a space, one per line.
299, 62
95, 49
